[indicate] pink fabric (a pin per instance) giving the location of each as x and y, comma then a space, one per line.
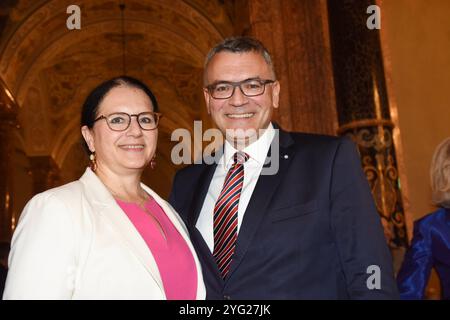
173, 257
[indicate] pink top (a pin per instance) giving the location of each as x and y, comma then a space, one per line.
173, 257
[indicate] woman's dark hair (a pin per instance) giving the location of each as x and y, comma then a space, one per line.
93, 100
90, 106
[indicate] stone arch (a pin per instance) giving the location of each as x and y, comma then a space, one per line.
51, 69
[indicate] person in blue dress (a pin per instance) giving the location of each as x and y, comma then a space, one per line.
430, 246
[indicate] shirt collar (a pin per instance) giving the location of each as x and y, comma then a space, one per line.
257, 150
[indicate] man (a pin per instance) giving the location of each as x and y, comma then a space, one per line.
306, 230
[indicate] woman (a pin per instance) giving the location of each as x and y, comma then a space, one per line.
430, 245
107, 235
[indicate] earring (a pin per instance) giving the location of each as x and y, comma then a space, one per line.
93, 163
153, 162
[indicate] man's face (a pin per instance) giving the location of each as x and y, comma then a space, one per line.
240, 111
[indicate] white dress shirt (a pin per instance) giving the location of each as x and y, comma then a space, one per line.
252, 168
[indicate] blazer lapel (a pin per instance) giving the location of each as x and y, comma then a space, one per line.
179, 225
104, 204
261, 198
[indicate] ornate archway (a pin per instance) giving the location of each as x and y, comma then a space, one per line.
50, 69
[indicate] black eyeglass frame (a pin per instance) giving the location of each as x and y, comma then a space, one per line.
157, 115
263, 82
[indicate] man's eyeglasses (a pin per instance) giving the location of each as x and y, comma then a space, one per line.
249, 87
120, 121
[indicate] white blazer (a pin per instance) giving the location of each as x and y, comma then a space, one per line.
75, 242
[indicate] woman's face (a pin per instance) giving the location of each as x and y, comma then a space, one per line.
122, 151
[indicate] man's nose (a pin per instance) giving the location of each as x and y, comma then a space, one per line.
238, 98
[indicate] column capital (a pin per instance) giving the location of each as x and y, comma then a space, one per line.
8, 106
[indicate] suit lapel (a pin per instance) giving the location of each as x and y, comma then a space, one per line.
104, 204
261, 198
201, 189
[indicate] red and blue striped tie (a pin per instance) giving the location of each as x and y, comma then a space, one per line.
226, 214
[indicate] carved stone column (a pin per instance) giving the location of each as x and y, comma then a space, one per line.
45, 173
7, 125
296, 34
363, 110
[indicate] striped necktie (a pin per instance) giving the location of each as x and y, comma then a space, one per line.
226, 214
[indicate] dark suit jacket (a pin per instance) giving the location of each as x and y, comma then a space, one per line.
309, 232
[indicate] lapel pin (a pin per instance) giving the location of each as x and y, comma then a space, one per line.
286, 156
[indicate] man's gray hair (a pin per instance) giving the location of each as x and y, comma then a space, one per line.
239, 45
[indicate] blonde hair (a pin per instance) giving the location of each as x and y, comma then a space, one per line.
440, 174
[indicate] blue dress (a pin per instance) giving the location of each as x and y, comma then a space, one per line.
430, 248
